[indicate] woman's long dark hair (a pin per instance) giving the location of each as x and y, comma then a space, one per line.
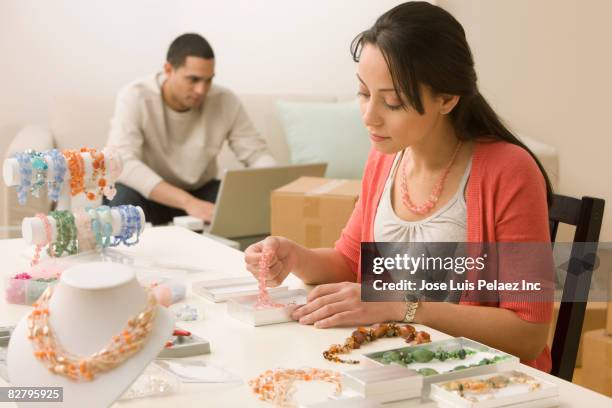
424, 44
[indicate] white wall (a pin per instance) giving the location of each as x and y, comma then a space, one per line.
285, 46
51, 47
545, 66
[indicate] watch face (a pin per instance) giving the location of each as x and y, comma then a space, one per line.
411, 297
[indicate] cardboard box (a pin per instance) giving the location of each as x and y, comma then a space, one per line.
312, 211
597, 362
609, 325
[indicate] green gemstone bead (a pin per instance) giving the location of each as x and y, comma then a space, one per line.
427, 371
422, 355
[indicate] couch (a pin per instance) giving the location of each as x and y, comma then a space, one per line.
77, 120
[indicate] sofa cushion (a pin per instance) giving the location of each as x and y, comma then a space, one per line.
326, 132
261, 109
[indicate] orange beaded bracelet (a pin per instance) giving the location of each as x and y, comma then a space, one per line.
99, 170
76, 166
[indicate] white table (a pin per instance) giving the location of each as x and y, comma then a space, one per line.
243, 350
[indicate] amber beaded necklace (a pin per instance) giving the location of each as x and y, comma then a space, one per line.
50, 352
368, 334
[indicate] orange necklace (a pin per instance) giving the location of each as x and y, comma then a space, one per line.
50, 352
428, 205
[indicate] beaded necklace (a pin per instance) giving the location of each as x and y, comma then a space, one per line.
264, 300
276, 386
428, 205
59, 361
366, 335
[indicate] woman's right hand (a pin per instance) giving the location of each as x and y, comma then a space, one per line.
283, 258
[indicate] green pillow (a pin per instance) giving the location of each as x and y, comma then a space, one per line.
326, 132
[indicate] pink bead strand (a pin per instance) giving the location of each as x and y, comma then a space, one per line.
48, 239
85, 234
264, 301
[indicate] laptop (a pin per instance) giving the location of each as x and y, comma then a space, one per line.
243, 202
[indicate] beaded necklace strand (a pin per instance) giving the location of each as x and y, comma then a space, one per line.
366, 335
120, 348
264, 301
277, 386
428, 205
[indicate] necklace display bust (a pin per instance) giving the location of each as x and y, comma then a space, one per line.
90, 305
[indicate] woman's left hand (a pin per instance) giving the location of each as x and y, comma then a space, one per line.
339, 304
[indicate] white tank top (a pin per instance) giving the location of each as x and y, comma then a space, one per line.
447, 224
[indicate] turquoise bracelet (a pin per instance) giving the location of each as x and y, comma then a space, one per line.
105, 225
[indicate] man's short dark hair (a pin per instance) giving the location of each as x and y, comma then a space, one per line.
188, 45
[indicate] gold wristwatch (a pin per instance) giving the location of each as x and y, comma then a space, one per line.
412, 304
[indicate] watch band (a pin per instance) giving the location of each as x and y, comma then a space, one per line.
412, 304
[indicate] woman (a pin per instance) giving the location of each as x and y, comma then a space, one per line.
443, 168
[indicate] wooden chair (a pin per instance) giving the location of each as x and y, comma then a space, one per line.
586, 215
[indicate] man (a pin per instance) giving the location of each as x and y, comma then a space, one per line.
169, 129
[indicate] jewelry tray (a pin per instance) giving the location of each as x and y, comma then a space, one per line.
383, 384
515, 395
243, 308
444, 368
220, 290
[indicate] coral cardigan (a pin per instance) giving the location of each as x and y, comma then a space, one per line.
506, 202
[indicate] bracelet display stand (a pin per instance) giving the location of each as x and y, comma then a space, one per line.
91, 304
33, 230
12, 177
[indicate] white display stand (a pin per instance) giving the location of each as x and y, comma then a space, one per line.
33, 230
91, 304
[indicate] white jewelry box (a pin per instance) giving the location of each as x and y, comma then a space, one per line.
353, 402
384, 384
220, 290
243, 308
454, 368
515, 394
